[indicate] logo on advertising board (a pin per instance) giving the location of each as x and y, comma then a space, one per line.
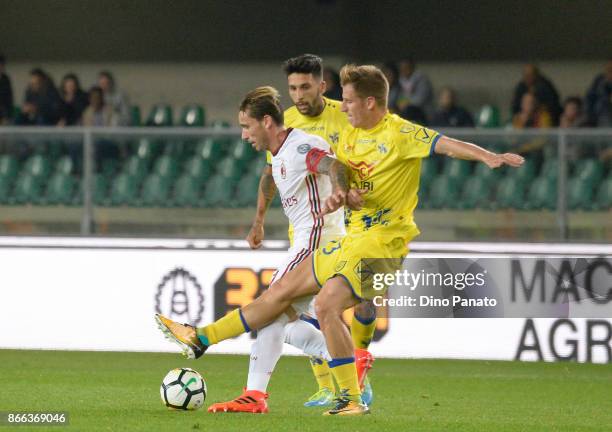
180, 297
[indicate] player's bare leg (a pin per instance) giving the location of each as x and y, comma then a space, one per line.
335, 297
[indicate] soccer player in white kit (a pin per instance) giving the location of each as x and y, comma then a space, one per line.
303, 191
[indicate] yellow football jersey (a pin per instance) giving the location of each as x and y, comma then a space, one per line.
328, 125
386, 160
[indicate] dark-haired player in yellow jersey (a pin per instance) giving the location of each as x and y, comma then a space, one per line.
315, 114
385, 151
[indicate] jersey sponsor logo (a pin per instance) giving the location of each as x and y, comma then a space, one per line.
289, 202
364, 184
375, 219
382, 148
423, 135
303, 148
180, 297
363, 168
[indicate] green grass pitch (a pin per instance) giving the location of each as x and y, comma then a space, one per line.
106, 391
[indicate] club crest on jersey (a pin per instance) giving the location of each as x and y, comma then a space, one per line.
423, 136
363, 168
382, 148
303, 148
283, 170
333, 138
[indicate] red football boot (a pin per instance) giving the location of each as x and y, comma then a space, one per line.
250, 401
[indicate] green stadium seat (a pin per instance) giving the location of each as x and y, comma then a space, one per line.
9, 167
186, 192
166, 166
443, 193
456, 169
487, 174
246, 191
509, 194
108, 167
192, 115
523, 174
37, 166
475, 194
135, 116
579, 194
210, 148
60, 189
27, 189
276, 202
197, 167
550, 169
243, 151
219, 124
147, 148
160, 115
155, 190
135, 167
123, 190
429, 171
5, 190
488, 117
589, 170
64, 165
603, 198
217, 192
230, 169
542, 194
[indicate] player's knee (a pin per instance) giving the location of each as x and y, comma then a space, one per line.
365, 310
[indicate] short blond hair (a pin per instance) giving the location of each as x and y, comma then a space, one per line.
368, 81
261, 102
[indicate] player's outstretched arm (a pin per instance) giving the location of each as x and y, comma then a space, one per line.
338, 174
265, 195
468, 151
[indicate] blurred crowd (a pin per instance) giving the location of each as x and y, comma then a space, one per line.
535, 102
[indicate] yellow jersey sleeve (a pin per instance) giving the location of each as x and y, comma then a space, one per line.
268, 157
415, 141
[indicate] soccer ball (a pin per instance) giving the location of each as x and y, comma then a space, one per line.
183, 389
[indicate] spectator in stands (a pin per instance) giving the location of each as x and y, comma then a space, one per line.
449, 114
543, 89
42, 103
115, 98
599, 98
392, 73
573, 115
6, 94
416, 88
98, 113
332, 81
532, 114
74, 100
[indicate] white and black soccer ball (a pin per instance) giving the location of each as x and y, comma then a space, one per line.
183, 389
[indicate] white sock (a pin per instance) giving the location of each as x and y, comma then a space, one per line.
306, 337
265, 352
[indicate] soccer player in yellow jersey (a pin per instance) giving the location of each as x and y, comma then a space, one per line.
315, 114
384, 154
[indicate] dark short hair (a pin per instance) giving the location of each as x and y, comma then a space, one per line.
261, 102
306, 64
108, 75
575, 100
97, 89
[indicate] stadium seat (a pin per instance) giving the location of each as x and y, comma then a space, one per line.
243, 151
219, 124
37, 166
60, 189
186, 192
147, 148
488, 117
5, 188
475, 194
99, 188
590, 170
230, 169
487, 174
135, 167
27, 189
123, 190
457, 170
508, 194
550, 169
525, 173
217, 192
429, 171
64, 165
443, 193
579, 194
542, 194
603, 198
210, 148
246, 191
258, 164
192, 115
155, 190
166, 166
160, 115
135, 116
9, 167
197, 167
